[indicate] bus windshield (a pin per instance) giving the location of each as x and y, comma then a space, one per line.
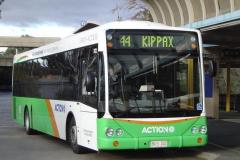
145, 83
153, 73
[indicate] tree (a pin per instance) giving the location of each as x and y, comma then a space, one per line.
143, 15
136, 8
10, 51
13, 50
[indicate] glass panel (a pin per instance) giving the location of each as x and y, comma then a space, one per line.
148, 83
89, 65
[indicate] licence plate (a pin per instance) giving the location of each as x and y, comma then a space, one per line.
158, 144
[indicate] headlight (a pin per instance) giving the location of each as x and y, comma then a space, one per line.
194, 130
109, 132
119, 132
203, 129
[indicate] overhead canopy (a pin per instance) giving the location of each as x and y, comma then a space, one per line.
182, 12
218, 20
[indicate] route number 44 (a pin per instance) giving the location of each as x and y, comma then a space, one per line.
125, 41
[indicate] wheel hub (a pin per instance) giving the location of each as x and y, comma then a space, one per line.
74, 134
27, 122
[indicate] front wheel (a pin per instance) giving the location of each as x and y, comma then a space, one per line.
28, 129
72, 133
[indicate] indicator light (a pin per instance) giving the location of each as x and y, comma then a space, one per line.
194, 46
109, 45
199, 140
115, 143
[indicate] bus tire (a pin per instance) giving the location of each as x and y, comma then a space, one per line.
72, 133
27, 124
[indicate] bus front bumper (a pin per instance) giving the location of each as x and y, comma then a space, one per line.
151, 142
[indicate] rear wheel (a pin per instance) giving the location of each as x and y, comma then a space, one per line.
72, 133
28, 129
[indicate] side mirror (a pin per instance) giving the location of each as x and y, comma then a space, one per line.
90, 82
210, 67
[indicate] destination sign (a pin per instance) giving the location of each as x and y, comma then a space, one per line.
152, 40
146, 41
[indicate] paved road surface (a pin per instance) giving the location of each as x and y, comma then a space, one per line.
224, 144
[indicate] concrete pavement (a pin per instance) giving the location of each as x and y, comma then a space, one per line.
224, 144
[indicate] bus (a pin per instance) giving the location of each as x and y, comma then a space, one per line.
121, 85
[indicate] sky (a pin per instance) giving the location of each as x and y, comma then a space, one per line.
54, 18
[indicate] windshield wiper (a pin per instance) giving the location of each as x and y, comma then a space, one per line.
150, 108
178, 59
183, 112
123, 113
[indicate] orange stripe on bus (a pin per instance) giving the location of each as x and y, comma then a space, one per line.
53, 122
156, 122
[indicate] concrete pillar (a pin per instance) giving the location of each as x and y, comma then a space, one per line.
212, 103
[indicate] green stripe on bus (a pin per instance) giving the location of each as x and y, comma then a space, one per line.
39, 114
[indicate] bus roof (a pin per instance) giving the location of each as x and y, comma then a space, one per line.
89, 37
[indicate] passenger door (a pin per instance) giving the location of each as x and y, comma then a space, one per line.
89, 98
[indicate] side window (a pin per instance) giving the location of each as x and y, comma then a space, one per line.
50, 78
70, 83
62, 76
25, 79
33, 78
17, 82
20, 78
30, 84
89, 64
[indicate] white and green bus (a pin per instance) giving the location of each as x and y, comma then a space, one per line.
122, 85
